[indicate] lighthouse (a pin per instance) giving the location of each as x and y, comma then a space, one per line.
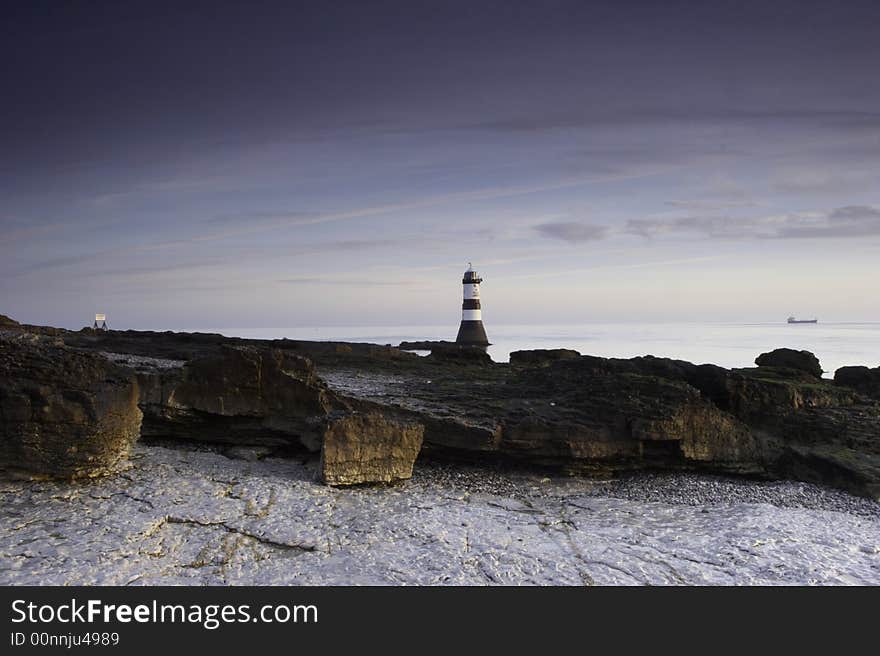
471, 331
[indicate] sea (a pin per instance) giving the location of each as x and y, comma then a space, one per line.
726, 344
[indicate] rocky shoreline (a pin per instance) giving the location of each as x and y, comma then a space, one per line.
137, 458
372, 411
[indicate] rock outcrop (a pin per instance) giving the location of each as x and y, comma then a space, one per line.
550, 408
588, 415
460, 355
63, 413
607, 415
239, 395
863, 379
369, 448
541, 356
790, 359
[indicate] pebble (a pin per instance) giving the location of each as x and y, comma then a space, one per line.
678, 488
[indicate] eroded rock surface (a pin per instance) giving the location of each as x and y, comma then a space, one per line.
63, 413
199, 518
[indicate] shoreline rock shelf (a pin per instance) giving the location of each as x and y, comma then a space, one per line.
375, 408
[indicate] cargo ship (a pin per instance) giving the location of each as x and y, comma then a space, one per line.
793, 320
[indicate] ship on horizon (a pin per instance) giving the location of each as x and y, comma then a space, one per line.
793, 320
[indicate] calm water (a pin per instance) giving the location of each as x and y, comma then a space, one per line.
725, 344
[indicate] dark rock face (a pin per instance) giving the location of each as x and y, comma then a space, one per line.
369, 448
592, 413
241, 395
862, 379
63, 413
426, 345
461, 355
791, 359
537, 357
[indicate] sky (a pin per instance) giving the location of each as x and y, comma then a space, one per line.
274, 164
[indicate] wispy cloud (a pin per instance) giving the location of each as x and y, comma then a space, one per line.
844, 222
548, 121
572, 231
709, 205
347, 282
300, 218
850, 221
614, 267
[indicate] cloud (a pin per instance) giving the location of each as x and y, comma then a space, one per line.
259, 218
856, 212
549, 121
811, 181
721, 227
709, 205
843, 222
572, 231
850, 221
347, 282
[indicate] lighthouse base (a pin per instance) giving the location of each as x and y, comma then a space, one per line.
472, 333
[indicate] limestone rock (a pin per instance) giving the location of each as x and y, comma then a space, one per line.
369, 448
63, 413
791, 359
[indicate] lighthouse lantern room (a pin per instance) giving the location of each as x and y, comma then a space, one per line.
471, 331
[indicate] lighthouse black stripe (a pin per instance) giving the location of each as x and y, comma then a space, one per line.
472, 333
471, 304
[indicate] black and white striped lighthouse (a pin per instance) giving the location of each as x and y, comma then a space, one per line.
471, 331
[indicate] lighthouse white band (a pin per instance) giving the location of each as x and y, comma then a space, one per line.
471, 315
471, 291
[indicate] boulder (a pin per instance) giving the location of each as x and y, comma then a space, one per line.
369, 448
791, 359
539, 357
861, 379
63, 413
241, 395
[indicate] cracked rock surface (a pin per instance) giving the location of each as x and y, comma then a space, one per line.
187, 516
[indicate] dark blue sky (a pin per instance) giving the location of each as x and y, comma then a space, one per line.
277, 164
